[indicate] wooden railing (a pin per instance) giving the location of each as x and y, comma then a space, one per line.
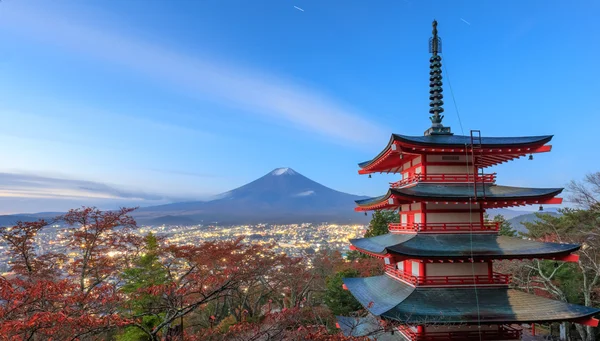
488, 226
502, 333
495, 279
441, 178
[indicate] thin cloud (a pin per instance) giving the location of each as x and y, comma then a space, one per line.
466, 22
248, 90
298, 8
13, 185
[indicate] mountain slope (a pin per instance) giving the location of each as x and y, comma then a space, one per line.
281, 196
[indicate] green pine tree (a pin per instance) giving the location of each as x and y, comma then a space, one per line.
379, 225
340, 301
505, 227
146, 272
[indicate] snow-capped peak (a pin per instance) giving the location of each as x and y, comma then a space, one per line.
283, 171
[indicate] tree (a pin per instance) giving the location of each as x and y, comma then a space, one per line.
340, 301
577, 226
52, 297
146, 272
505, 226
380, 223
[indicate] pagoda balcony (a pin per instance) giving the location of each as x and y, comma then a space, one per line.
502, 333
488, 227
445, 178
496, 279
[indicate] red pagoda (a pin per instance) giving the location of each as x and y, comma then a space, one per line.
439, 281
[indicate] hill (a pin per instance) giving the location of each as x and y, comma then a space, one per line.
517, 222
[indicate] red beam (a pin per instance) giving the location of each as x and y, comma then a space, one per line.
569, 258
344, 287
542, 149
587, 321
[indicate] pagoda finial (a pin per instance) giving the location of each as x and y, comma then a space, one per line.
435, 86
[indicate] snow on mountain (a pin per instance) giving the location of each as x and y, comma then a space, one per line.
304, 194
283, 171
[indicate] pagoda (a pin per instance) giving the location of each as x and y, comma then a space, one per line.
439, 281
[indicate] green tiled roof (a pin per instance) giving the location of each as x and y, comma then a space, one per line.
460, 141
366, 327
449, 245
386, 297
450, 192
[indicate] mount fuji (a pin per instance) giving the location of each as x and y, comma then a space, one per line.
281, 196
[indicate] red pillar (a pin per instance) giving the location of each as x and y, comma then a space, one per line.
533, 329
420, 330
491, 271
422, 269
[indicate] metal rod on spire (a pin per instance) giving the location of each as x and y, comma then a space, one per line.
435, 86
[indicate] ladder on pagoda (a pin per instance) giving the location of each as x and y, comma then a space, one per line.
476, 153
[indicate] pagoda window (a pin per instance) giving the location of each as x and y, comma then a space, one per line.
457, 269
450, 169
458, 159
415, 268
417, 218
400, 266
458, 217
450, 206
417, 160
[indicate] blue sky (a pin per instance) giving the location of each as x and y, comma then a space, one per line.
168, 100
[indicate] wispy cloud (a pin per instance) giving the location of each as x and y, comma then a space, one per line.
34, 186
466, 22
246, 89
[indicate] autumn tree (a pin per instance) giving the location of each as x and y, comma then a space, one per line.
52, 297
199, 275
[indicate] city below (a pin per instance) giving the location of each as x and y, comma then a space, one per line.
295, 240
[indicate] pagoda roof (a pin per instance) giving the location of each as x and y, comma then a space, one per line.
368, 326
462, 140
513, 196
457, 245
389, 298
504, 148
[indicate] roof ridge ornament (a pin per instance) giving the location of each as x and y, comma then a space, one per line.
435, 86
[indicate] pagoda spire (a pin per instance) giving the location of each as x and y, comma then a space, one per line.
435, 86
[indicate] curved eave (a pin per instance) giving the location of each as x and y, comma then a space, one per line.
394, 300
458, 141
492, 196
495, 150
462, 246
